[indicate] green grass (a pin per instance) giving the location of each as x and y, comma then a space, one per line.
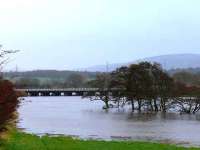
21, 141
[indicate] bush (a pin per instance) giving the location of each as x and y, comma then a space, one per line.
8, 102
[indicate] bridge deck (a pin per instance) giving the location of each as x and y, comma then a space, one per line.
59, 90
63, 92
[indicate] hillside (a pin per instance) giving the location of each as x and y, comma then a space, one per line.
168, 62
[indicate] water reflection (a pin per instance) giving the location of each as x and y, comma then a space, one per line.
86, 119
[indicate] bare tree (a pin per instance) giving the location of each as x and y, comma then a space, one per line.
4, 57
101, 82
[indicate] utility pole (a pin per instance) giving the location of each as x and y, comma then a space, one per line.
16, 69
107, 75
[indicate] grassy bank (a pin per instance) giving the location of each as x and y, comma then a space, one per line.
21, 141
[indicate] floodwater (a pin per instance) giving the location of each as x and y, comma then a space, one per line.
74, 116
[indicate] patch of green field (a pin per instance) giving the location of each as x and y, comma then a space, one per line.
22, 141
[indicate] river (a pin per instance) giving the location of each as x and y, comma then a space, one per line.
74, 116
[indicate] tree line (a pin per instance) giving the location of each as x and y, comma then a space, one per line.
189, 78
145, 87
74, 80
56, 79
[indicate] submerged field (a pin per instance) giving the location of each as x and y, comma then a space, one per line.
83, 118
22, 141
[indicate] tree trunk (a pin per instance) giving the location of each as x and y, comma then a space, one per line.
106, 102
133, 106
155, 105
163, 105
139, 105
151, 105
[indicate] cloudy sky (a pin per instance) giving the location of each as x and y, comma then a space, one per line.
68, 34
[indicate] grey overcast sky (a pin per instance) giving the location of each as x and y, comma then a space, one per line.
68, 34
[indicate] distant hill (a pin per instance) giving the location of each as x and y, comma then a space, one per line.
175, 61
104, 68
48, 74
168, 62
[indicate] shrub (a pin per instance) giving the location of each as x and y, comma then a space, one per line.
8, 102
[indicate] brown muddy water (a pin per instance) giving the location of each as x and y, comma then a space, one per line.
73, 116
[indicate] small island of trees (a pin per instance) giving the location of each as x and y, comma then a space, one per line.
146, 87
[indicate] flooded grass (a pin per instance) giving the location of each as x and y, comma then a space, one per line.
22, 141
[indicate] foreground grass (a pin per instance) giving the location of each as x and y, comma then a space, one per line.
21, 141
